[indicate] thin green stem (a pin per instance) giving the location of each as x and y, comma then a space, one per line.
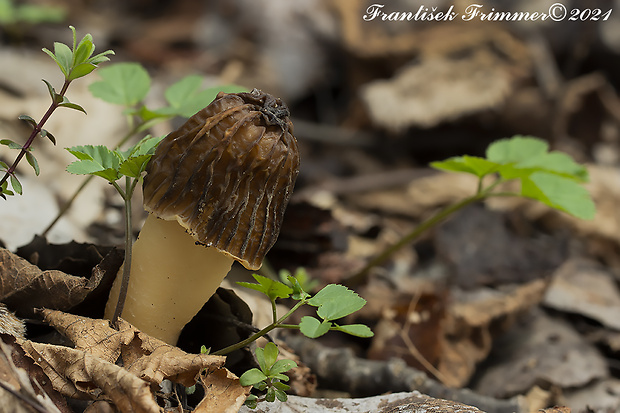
360, 276
35, 131
261, 333
129, 187
63, 210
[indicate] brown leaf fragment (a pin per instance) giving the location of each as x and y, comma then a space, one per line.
474, 320
23, 385
24, 286
223, 392
556, 409
77, 374
585, 288
146, 357
9, 324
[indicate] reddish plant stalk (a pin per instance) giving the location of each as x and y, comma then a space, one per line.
35, 131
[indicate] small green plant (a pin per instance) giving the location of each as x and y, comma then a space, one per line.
550, 177
75, 62
128, 84
113, 165
302, 277
269, 377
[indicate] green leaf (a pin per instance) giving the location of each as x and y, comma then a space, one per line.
560, 193
95, 160
10, 144
336, 301
271, 395
67, 104
63, 57
46, 134
185, 98
281, 386
81, 70
134, 166
271, 288
251, 377
270, 355
33, 162
251, 401
557, 163
28, 119
282, 366
56, 98
469, 164
280, 395
123, 84
83, 50
516, 149
313, 328
358, 330
17, 186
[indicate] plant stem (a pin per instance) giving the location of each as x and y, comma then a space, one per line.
360, 277
68, 204
129, 187
35, 131
261, 333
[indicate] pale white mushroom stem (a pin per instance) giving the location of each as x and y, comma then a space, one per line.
171, 279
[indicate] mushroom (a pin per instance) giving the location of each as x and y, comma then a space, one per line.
216, 190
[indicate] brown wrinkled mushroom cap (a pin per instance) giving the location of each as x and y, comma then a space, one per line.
227, 174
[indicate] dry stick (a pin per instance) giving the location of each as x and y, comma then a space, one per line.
35, 131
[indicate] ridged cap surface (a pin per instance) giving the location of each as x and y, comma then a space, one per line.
227, 174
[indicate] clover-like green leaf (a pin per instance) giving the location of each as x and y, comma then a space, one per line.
336, 301
122, 83
358, 330
271, 288
313, 328
560, 193
251, 377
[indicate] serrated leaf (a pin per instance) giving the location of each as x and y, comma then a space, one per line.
95, 160
469, 164
282, 366
251, 377
560, 193
17, 186
313, 328
516, 149
134, 166
28, 119
33, 162
123, 84
146, 146
336, 301
271, 288
186, 99
358, 330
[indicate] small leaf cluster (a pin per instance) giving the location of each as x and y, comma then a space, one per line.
111, 165
77, 61
74, 63
550, 177
127, 84
333, 302
269, 377
301, 275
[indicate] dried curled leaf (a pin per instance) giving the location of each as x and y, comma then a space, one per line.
88, 371
24, 286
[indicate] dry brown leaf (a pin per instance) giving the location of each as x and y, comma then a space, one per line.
89, 370
468, 326
19, 376
24, 286
223, 393
586, 288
